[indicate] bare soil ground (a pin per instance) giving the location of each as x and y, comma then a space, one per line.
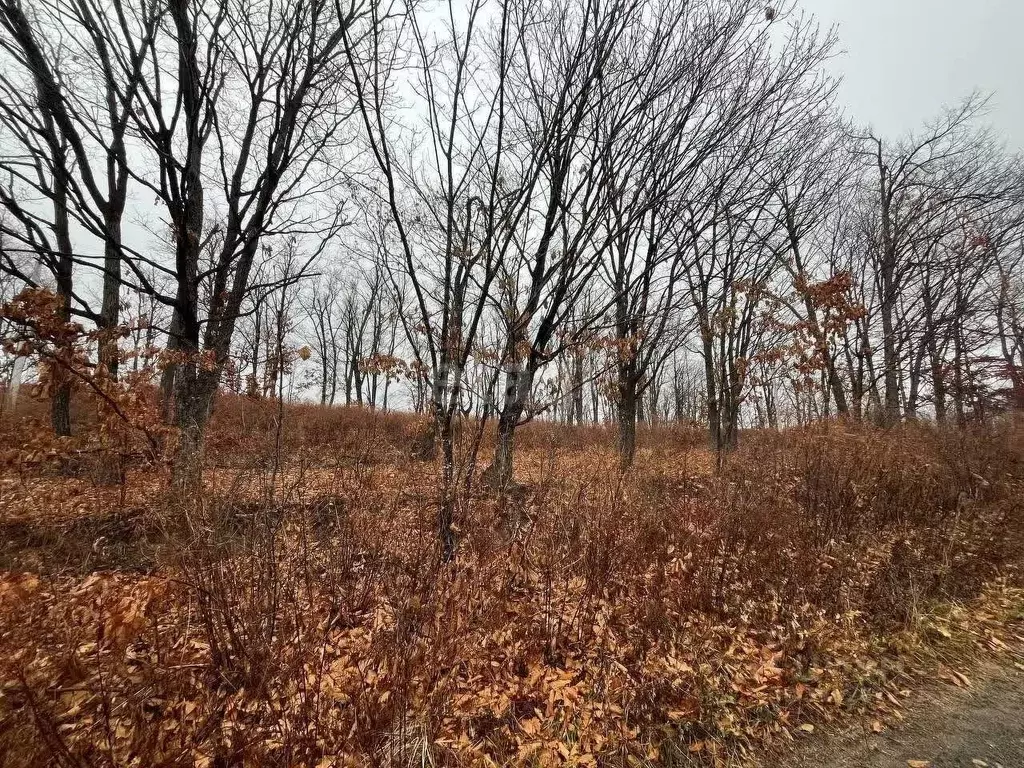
976, 726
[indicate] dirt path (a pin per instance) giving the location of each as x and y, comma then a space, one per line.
975, 727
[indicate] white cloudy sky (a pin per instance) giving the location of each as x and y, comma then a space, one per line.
903, 59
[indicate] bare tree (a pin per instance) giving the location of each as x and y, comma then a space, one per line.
578, 67
68, 102
808, 187
710, 84
266, 95
451, 209
226, 106
916, 183
323, 312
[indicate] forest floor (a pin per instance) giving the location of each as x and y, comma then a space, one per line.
296, 611
976, 723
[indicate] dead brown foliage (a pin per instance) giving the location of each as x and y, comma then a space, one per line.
298, 614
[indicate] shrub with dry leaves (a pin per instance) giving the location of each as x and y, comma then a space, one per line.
681, 613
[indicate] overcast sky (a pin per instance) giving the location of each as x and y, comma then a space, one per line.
902, 60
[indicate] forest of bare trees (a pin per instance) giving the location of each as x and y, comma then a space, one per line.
448, 383
607, 211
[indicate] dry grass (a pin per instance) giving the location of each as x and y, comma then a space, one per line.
297, 613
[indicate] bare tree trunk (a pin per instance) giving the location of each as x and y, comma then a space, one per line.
856, 374
323, 376
60, 403
938, 381
890, 355
111, 307
871, 390
167, 391
836, 387
60, 409
714, 414
730, 410
959, 384
771, 413
446, 508
499, 474
518, 384
577, 389
195, 390
914, 391
628, 414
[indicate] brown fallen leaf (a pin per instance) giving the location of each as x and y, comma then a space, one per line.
877, 726
962, 678
919, 763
